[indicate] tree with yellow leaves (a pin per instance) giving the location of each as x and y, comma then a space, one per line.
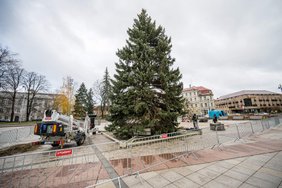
64, 101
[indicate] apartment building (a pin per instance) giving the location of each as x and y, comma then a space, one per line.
250, 101
41, 102
198, 99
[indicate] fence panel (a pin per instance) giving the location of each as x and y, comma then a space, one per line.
229, 135
15, 135
245, 129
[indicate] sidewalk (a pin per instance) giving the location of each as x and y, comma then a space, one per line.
253, 162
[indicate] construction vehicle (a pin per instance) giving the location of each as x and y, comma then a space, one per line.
57, 129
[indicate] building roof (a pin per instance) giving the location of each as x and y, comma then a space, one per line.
248, 92
201, 89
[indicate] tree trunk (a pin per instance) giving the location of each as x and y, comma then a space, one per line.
13, 106
27, 107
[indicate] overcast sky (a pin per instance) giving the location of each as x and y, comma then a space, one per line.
226, 46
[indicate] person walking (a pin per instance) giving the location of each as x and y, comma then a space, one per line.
215, 118
195, 121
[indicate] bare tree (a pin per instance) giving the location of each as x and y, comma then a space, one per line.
13, 79
98, 94
6, 60
34, 84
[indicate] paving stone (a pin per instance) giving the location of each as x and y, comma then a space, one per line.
209, 173
228, 181
246, 185
260, 183
198, 167
170, 186
148, 175
270, 178
214, 184
234, 161
237, 175
217, 168
263, 158
171, 175
131, 180
274, 165
255, 161
198, 178
184, 171
106, 185
243, 170
141, 185
250, 166
271, 172
158, 181
225, 164
184, 182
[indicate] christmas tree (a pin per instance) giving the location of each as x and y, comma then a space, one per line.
146, 90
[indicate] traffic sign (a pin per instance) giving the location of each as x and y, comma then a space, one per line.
63, 152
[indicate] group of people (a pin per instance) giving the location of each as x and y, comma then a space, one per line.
195, 121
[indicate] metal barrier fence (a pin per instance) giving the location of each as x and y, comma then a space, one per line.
82, 166
15, 135
20, 133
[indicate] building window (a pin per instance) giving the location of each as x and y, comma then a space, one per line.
248, 102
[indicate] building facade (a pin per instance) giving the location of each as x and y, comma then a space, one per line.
199, 99
42, 101
250, 101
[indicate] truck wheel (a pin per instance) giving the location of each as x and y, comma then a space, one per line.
81, 140
55, 145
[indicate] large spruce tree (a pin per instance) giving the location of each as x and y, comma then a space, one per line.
81, 102
146, 88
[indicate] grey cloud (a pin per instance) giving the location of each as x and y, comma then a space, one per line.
224, 45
